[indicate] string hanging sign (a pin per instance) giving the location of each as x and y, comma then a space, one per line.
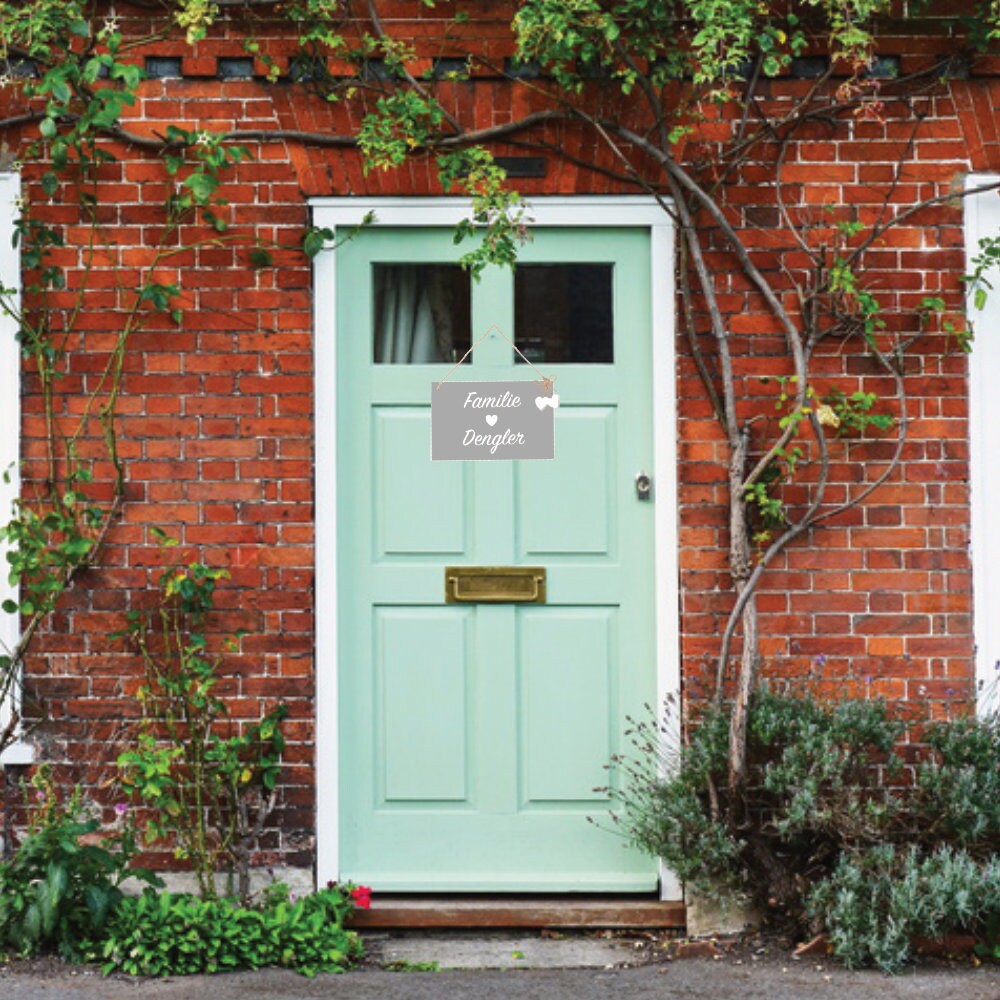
491, 421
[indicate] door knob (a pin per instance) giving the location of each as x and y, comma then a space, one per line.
643, 487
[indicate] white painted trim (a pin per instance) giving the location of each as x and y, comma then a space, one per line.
587, 211
326, 667
10, 423
982, 218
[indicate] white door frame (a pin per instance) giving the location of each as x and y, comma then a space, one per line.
982, 218
338, 214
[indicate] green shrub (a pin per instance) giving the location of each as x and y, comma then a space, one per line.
59, 890
811, 792
825, 831
876, 902
166, 934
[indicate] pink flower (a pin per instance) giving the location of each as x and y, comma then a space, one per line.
121, 808
362, 896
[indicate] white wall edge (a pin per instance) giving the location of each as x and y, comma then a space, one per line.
982, 218
584, 211
10, 421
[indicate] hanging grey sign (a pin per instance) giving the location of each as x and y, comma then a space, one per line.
486, 421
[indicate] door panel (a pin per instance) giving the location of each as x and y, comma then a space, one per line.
475, 737
419, 511
583, 470
568, 676
422, 656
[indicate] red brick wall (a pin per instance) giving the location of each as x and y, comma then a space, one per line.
217, 429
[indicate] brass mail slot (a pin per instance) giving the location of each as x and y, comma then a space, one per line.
494, 584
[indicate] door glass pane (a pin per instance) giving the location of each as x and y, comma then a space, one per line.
563, 313
422, 313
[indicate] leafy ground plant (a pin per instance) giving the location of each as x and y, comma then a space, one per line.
165, 934
877, 901
63, 885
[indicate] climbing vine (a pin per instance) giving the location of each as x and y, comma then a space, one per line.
76, 91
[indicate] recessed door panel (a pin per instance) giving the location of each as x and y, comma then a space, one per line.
423, 658
567, 506
420, 504
567, 660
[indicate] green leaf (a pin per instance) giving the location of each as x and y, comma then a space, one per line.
259, 257
315, 239
202, 186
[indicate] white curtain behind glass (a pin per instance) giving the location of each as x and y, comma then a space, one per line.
413, 322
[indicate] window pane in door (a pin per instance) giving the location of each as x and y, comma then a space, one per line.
563, 313
422, 313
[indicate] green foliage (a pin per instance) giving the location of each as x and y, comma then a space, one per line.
497, 213
164, 934
673, 818
61, 888
978, 283
711, 41
403, 121
848, 415
209, 784
195, 17
877, 900
853, 414
959, 784
855, 302
815, 764
828, 831
45, 545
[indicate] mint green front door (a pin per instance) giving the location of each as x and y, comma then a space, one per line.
474, 738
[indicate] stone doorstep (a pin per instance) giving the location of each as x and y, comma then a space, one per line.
442, 949
389, 912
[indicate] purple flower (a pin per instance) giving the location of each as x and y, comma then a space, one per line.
121, 808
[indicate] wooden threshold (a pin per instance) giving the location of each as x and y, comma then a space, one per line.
427, 912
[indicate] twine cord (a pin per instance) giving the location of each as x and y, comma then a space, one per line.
547, 382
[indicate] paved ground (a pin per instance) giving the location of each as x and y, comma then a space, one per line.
726, 978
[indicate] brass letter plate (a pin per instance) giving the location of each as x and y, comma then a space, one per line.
494, 584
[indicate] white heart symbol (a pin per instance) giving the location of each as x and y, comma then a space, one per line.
541, 402
491, 419
553, 401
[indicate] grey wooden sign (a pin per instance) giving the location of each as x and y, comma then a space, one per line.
490, 421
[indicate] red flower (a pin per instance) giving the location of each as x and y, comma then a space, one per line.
362, 896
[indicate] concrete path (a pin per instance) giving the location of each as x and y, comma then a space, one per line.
725, 978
